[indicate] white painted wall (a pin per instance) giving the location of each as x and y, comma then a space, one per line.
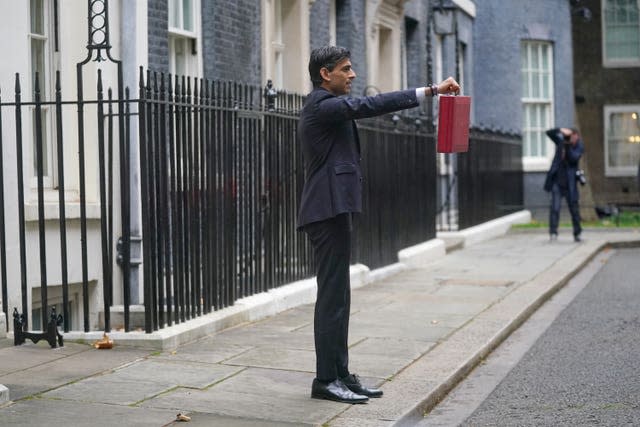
15, 44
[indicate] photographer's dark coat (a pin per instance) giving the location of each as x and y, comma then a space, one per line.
331, 149
572, 154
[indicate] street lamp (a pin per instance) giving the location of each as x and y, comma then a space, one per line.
270, 94
443, 18
580, 11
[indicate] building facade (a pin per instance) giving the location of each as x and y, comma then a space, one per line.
513, 58
607, 82
524, 69
43, 43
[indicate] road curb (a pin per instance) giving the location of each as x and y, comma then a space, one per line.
432, 376
545, 293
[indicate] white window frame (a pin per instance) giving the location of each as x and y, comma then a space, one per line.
286, 44
385, 53
540, 162
462, 78
46, 94
186, 37
615, 63
618, 171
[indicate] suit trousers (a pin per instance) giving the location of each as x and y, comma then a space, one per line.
557, 194
331, 241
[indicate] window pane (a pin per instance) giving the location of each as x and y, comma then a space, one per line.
545, 57
174, 13
546, 86
535, 63
187, 15
37, 17
622, 29
37, 64
537, 83
623, 140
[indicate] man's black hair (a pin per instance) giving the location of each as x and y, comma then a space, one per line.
327, 57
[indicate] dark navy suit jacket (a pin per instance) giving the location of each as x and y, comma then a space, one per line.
331, 149
572, 155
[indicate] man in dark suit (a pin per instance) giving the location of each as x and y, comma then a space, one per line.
332, 193
561, 178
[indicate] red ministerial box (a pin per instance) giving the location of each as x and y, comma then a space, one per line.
453, 124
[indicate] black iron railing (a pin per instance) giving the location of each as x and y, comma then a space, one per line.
29, 115
221, 175
398, 162
490, 180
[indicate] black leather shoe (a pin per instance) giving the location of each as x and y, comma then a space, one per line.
577, 238
335, 391
353, 383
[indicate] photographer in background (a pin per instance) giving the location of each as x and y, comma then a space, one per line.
562, 178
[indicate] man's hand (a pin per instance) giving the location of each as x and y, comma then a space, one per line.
449, 85
570, 137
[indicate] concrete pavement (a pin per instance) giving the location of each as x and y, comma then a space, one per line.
415, 332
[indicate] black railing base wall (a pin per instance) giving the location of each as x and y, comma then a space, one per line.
51, 335
490, 177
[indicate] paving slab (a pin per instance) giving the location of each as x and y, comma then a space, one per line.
415, 334
17, 358
412, 329
255, 337
268, 394
143, 380
50, 374
46, 412
204, 351
277, 358
202, 419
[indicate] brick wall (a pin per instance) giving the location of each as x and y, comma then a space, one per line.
415, 33
499, 29
232, 40
319, 24
350, 33
593, 87
158, 35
